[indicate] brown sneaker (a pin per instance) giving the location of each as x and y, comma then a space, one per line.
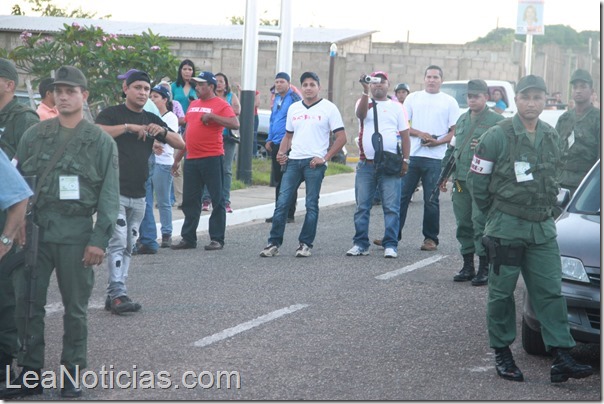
429, 245
378, 241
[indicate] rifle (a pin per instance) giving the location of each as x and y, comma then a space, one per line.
444, 174
30, 255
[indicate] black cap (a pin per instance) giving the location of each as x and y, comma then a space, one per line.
582, 75
477, 87
402, 86
311, 75
138, 76
530, 81
71, 76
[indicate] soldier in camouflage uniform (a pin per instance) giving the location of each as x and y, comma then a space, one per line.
579, 131
15, 118
470, 221
82, 183
513, 182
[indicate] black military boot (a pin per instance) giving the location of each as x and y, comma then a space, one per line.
6, 368
505, 365
19, 389
482, 277
564, 367
467, 271
68, 389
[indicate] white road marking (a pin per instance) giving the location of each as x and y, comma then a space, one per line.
409, 268
481, 369
229, 332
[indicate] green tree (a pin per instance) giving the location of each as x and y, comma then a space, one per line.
239, 20
561, 35
99, 55
46, 8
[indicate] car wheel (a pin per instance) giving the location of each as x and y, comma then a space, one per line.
532, 342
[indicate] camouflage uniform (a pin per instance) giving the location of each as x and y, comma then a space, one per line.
67, 228
519, 214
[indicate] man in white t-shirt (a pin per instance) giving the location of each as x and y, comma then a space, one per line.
392, 125
309, 122
433, 115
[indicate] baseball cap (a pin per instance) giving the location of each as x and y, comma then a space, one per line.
161, 90
8, 70
205, 77
402, 86
127, 74
137, 76
530, 81
582, 75
380, 73
71, 76
477, 87
311, 75
283, 75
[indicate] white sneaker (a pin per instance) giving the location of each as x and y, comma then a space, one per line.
355, 251
390, 253
303, 251
270, 250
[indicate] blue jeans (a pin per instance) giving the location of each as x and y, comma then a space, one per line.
295, 173
121, 244
199, 173
160, 184
227, 169
365, 184
428, 170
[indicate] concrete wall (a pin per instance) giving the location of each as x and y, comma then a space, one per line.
403, 61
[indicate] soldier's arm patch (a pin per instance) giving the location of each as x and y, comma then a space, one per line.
481, 166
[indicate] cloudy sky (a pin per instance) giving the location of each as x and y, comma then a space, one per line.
424, 21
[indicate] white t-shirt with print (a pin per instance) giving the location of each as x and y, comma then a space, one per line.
434, 114
391, 121
311, 126
167, 157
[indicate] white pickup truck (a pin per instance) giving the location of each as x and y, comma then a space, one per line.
458, 90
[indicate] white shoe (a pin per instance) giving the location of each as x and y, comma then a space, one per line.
303, 251
270, 250
355, 251
390, 253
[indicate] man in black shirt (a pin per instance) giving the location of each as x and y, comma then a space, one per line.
137, 133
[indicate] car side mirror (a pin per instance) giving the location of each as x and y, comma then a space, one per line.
563, 198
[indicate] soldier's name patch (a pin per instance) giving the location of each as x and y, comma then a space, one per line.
69, 187
481, 166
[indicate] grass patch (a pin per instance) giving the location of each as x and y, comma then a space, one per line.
261, 172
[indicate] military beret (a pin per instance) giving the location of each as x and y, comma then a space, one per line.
477, 87
8, 70
530, 81
582, 75
71, 76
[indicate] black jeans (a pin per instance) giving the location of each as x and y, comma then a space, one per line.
277, 176
197, 174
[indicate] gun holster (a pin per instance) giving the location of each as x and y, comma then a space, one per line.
498, 254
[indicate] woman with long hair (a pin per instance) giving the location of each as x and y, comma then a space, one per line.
182, 89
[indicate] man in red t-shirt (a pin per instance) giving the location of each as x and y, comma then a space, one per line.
206, 118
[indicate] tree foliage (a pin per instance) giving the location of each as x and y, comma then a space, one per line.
46, 8
99, 55
239, 20
561, 35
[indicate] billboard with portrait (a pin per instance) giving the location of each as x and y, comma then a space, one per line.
530, 17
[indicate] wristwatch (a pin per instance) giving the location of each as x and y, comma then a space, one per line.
408, 161
5, 240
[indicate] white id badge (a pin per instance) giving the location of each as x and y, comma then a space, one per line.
69, 187
571, 139
520, 168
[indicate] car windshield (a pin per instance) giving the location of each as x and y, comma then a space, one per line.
458, 91
587, 198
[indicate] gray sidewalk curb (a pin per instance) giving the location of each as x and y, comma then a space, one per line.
246, 215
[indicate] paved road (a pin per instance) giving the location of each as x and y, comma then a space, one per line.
325, 327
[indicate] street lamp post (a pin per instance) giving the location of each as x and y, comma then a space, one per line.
333, 50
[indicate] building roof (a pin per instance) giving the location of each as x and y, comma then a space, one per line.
18, 23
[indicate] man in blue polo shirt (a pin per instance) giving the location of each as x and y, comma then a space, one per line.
284, 97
